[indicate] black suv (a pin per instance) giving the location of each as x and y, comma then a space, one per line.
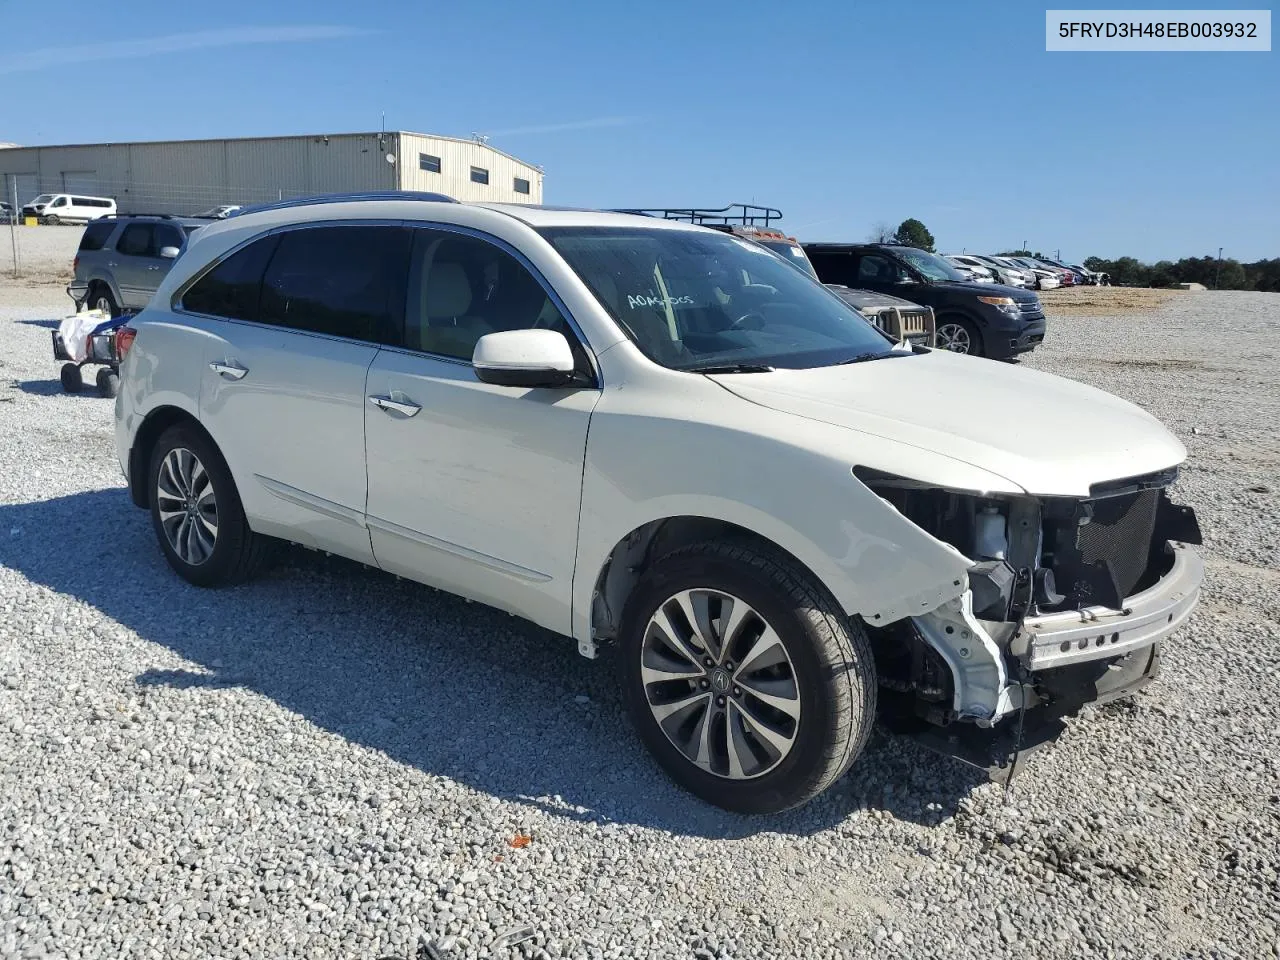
983, 319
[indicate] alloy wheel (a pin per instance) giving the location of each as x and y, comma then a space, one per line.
720, 683
187, 505
954, 337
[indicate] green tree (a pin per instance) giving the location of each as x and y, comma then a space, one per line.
913, 233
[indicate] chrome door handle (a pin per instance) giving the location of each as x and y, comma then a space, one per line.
153, 268
112, 263
232, 371
386, 404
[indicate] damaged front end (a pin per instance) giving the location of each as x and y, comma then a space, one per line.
1067, 602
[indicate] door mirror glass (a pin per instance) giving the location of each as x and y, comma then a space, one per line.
169, 253
524, 358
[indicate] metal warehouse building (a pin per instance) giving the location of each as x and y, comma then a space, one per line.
187, 176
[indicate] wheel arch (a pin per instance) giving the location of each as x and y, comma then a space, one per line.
106, 280
634, 553
144, 441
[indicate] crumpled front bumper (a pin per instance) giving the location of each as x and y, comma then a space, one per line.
1093, 633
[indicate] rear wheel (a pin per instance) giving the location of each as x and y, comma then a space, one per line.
745, 680
100, 298
959, 336
196, 511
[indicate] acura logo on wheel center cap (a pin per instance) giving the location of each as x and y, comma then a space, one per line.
719, 680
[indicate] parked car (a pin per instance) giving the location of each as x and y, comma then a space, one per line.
1093, 277
1081, 275
1007, 274
56, 208
648, 435
985, 320
1045, 278
123, 258
899, 319
6, 213
976, 272
220, 213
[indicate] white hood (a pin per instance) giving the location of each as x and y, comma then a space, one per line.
1046, 434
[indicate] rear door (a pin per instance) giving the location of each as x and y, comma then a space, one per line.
129, 265
300, 316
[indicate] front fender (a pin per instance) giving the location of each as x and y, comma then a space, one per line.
800, 493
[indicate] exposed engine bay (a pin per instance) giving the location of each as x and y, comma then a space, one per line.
1044, 571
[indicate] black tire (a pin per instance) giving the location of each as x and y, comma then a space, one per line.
52, 221
108, 382
100, 298
975, 345
72, 382
834, 672
237, 552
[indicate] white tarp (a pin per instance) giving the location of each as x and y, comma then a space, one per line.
75, 331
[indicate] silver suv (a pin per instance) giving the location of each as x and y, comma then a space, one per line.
123, 258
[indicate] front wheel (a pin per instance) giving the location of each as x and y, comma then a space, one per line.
959, 336
108, 382
72, 381
744, 679
52, 221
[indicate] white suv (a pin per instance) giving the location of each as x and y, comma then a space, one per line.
657, 437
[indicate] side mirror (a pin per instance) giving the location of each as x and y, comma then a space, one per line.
524, 358
169, 253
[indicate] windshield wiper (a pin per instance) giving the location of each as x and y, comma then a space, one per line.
731, 368
864, 357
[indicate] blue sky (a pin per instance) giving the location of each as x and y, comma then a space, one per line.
843, 114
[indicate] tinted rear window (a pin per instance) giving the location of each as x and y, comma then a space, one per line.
342, 281
232, 288
96, 235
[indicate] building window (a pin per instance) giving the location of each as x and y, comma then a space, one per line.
428, 163
522, 185
479, 175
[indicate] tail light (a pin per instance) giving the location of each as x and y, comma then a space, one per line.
75, 262
124, 340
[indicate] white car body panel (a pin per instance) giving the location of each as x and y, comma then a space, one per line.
518, 497
292, 430
912, 402
479, 492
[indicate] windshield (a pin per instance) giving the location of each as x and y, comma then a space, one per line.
930, 264
793, 252
43, 198
694, 299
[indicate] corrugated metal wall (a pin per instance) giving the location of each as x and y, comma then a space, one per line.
183, 177
457, 157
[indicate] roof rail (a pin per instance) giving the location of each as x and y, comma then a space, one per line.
345, 198
157, 216
735, 214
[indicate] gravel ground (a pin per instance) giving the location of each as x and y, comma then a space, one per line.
331, 763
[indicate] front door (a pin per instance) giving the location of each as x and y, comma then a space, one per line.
883, 274
475, 488
284, 375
